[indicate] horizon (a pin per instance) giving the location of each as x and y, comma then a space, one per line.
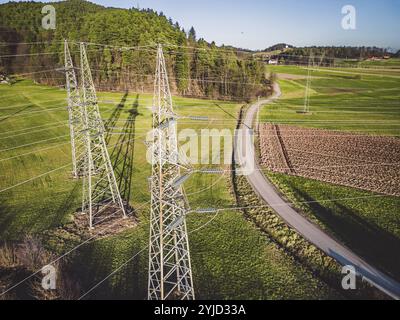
296, 22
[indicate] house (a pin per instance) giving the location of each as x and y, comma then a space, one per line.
373, 58
273, 61
4, 79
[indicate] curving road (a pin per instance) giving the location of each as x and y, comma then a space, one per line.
266, 190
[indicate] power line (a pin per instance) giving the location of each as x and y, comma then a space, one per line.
30, 113
37, 54
136, 254
30, 128
286, 203
60, 257
112, 273
207, 80
233, 50
344, 130
32, 104
33, 143
28, 43
29, 54
46, 173
35, 72
217, 211
33, 112
34, 151
30, 132
145, 49
31, 179
340, 111
369, 122
306, 167
117, 47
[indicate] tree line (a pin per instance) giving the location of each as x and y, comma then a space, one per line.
330, 55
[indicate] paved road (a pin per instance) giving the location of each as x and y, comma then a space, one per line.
304, 227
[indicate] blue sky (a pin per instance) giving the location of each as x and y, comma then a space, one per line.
257, 24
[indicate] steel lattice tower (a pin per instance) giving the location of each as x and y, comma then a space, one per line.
311, 62
170, 274
75, 116
306, 108
101, 196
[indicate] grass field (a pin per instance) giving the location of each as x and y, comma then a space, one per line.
368, 224
385, 63
367, 104
230, 257
353, 102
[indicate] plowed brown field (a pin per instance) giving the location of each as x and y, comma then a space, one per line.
355, 160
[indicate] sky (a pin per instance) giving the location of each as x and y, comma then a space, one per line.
258, 24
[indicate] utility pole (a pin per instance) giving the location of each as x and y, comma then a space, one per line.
170, 273
101, 196
75, 116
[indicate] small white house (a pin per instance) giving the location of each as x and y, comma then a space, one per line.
4, 79
273, 61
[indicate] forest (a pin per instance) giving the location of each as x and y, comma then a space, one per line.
121, 45
330, 56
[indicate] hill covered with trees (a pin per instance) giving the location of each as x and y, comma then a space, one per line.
331, 54
196, 67
279, 46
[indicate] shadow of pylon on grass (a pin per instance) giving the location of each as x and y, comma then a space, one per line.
109, 125
365, 238
121, 156
123, 153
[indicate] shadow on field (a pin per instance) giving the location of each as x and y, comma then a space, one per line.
123, 148
377, 246
68, 205
7, 216
46, 212
106, 269
114, 117
123, 153
15, 113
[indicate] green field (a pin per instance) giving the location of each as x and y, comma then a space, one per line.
393, 63
368, 224
367, 104
231, 258
344, 101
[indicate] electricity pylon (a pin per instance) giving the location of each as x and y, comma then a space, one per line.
101, 196
75, 116
170, 273
311, 62
306, 108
